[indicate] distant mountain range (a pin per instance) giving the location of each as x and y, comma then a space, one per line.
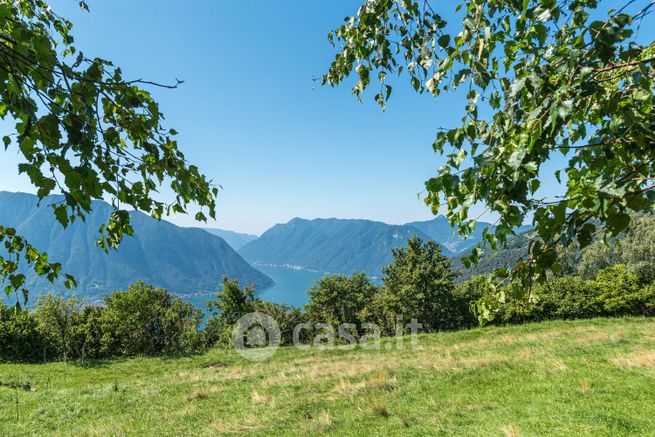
235, 239
331, 245
193, 260
182, 260
346, 246
439, 230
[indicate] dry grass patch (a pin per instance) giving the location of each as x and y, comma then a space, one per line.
257, 398
344, 369
246, 425
539, 337
104, 429
585, 387
277, 379
595, 337
448, 362
378, 408
346, 387
381, 382
636, 359
324, 418
554, 363
510, 431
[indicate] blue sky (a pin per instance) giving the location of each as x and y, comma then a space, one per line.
253, 119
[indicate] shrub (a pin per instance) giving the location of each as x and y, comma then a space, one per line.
615, 291
569, 298
91, 329
647, 299
466, 295
20, 337
286, 317
145, 320
233, 302
620, 292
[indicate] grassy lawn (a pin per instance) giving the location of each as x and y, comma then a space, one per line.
592, 377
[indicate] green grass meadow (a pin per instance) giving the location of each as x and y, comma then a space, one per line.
594, 377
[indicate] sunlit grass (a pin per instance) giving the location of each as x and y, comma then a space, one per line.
592, 377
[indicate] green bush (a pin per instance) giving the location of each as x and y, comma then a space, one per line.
91, 332
621, 293
615, 291
286, 317
466, 295
145, 320
20, 337
234, 302
59, 320
569, 298
647, 299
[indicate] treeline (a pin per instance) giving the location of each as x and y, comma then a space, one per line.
142, 320
635, 248
420, 284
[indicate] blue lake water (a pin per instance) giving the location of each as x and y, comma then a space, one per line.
290, 287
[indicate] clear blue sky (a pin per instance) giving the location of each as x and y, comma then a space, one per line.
251, 116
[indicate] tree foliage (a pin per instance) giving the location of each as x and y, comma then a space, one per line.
84, 130
542, 79
419, 284
144, 320
340, 299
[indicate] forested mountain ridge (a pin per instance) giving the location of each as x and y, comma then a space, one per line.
181, 260
330, 245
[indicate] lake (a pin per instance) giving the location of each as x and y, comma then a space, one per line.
290, 287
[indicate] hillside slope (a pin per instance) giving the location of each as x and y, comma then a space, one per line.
506, 257
330, 245
583, 378
179, 259
439, 230
235, 239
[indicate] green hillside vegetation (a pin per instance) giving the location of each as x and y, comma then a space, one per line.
441, 231
594, 377
182, 260
334, 246
634, 248
419, 284
515, 250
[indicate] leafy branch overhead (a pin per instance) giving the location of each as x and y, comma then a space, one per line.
83, 130
543, 79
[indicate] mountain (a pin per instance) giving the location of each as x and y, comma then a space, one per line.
181, 260
235, 239
439, 230
330, 245
506, 257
